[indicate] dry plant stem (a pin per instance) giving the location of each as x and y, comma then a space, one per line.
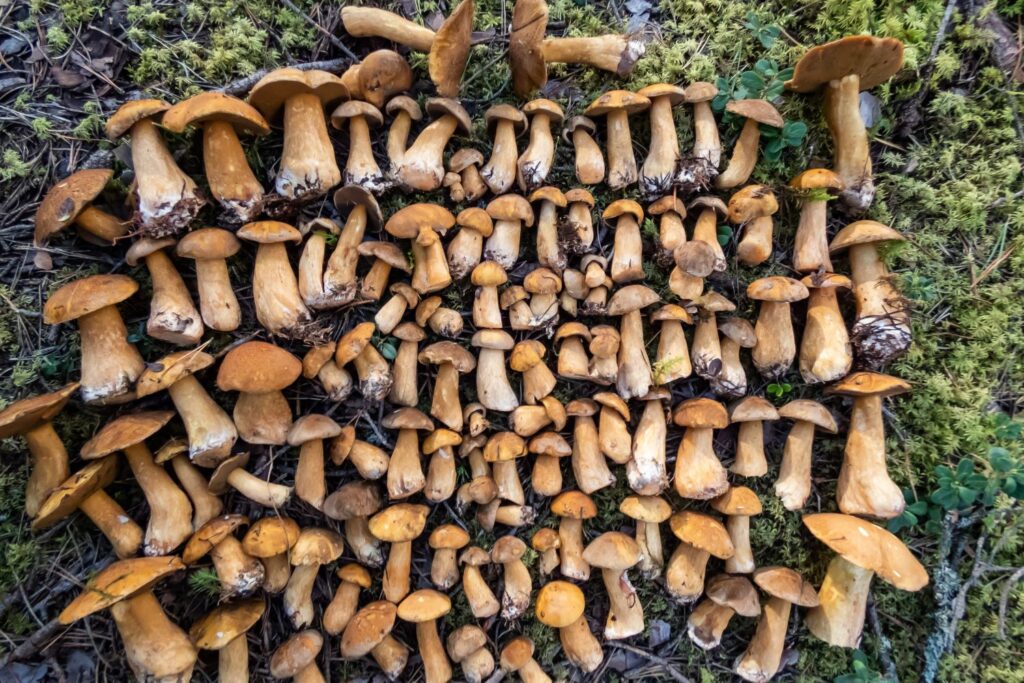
882, 329
825, 351
684, 576
763, 656
396, 573
744, 157
308, 167
750, 459
217, 302
168, 198
114, 523
852, 152
794, 483
622, 170
49, 466
173, 317
706, 143
570, 535
154, 646
232, 182
660, 165
368, 22
211, 433
864, 486
756, 246
279, 306
839, 619
205, 505
699, 474
810, 247
589, 160
776, 343
580, 645
110, 363
170, 512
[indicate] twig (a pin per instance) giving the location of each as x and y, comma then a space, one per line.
660, 661
912, 111
884, 644
1014, 579
244, 85
33, 644
330, 36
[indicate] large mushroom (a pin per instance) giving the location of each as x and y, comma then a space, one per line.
616, 106
745, 150
826, 353
635, 377
224, 629
399, 525
673, 360
660, 167
726, 596
750, 413
776, 343
275, 288
423, 608
451, 360
239, 572
421, 166
210, 248
446, 541
441, 473
423, 225
386, 257
405, 390
625, 215
645, 469
536, 160
589, 158
405, 471
648, 512
560, 605
699, 473
369, 632
810, 246
670, 212
492, 386
614, 553
550, 448
360, 167
511, 213
71, 201
794, 483
314, 548
752, 207
308, 434
353, 503
259, 371
700, 536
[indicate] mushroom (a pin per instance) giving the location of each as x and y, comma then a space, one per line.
501, 452
405, 389
223, 117
487, 277
232, 473
648, 512
360, 168
508, 551
386, 256
530, 52
451, 360
660, 167
168, 199
881, 330
375, 378
422, 165
627, 255
224, 629
511, 213
699, 474
701, 536
863, 550
604, 351
573, 362
314, 547
673, 360
259, 371
296, 658
399, 525
588, 463
424, 224
205, 505
645, 469
466, 162
707, 147
308, 168
446, 540
752, 207
776, 344
785, 588
110, 363
389, 316
579, 130
635, 377
345, 602
170, 512
210, 248
32, 419
318, 363
864, 486
482, 602
826, 353
517, 657
381, 75
505, 123
423, 608
492, 386
549, 248
794, 483
308, 434
738, 504
527, 357
239, 572
745, 149
750, 413
560, 605
692, 262
369, 632
614, 553
706, 350
613, 437
706, 228
726, 595
843, 68
580, 220
154, 646
617, 105
572, 507
353, 504
270, 539
275, 289
441, 474
670, 211
810, 246
536, 161
405, 472
466, 248
84, 491
69, 202
549, 447
731, 380
546, 542
543, 286
574, 290
405, 110
467, 646
595, 277
172, 315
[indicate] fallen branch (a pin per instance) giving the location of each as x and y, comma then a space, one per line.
884, 644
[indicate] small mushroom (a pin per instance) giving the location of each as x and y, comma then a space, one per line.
270, 539
205, 505
421, 167
794, 483
467, 162
405, 390
543, 285
750, 413
580, 220
648, 512
259, 371
752, 207
511, 213
604, 350
399, 525
224, 629
738, 504
389, 316
617, 105
625, 216
745, 150
700, 536
210, 248
706, 350
536, 160
731, 380
707, 147
318, 363
596, 278
549, 447
517, 657
308, 434
232, 473
776, 344
467, 646
405, 110
579, 130
699, 473
441, 475
275, 289
446, 540
646, 466
360, 167
369, 632
815, 187
826, 354
239, 572
381, 75
172, 315
673, 360
508, 551
560, 605
353, 504
423, 608
615, 553
405, 471
501, 452
372, 369
386, 256
69, 202
546, 542
424, 224
482, 602
573, 362
660, 167
487, 277
550, 253
574, 290
527, 357
296, 658
492, 386
693, 261
635, 377
706, 228
451, 360
466, 248
572, 507
670, 211
345, 602
613, 427
505, 123
314, 548
726, 596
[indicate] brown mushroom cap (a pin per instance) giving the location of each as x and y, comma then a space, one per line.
209, 535
316, 546
442, 352
388, 252
709, 202
488, 274
613, 401
355, 499
208, 243
449, 50
734, 591
383, 73
117, 581
526, 355
312, 428
169, 369
425, 604
407, 222
701, 413
504, 446
507, 549
667, 204
353, 342
623, 207
869, 384
738, 330
650, 509
258, 367
448, 536
545, 539
296, 653
125, 432
517, 653
269, 232
549, 194
68, 198
579, 194
367, 628
399, 523
223, 624
750, 202
870, 547
465, 640
674, 93
571, 125
612, 550
65, 499
572, 329
475, 556
738, 500
559, 604
463, 159
824, 280
631, 298
551, 109
214, 106
271, 536
357, 195
493, 339
355, 573
28, 413
701, 91
406, 104
863, 232
407, 418
703, 532
529, 23
144, 247
505, 112
805, 410
443, 106
130, 113
581, 407
353, 108
672, 312
573, 504
551, 444
87, 295
616, 100
761, 111
874, 60
713, 302
784, 583
778, 289
817, 179
440, 438
511, 207
752, 409
219, 478
270, 93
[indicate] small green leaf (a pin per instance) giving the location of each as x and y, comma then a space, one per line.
724, 234
752, 81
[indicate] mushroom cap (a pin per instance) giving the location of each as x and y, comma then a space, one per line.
407, 418
870, 547
169, 369
406, 104
464, 158
353, 342
355, 573
28, 413
130, 113
863, 232
65, 499
215, 106
493, 339
504, 446
713, 302
529, 24
674, 93
612, 550
445, 106
124, 432
269, 232
488, 274
357, 195
709, 202
219, 478
752, 409
505, 112
517, 653
761, 111
696, 258
750, 202
570, 126
367, 628
316, 546
824, 280
738, 330
701, 91
545, 539
357, 498
572, 329
631, 298
449, 50
617, 100
407, 222
312, 428
703, 532
464, 641
208, 243
511, 207
574, 505
423, 605
296, 653
650, 509
513, 295
68, 198
874, 60
527, 354
613, 401
507, 549
869, 384
555, 411
559, 604
735, 591
784, 583
399, 523
805, 410
442, 352
623, 207
817, 179
449, 537
117, 581
579, 194
668, 203
672, 312
257, 367
271, 92
549, 193
440, 438
350, 109
475, 556
581, 407
551, 444
542, 281
701, 413
778, 289
382, 73
410, 332
271, 536
209, 535
388, 252
543, 106
738, 500
220, 626
87, 295
141, 248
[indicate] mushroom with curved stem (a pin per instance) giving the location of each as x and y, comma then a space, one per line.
589, 164
527, 357
399, 525
518, 586
369, 632
815, 187
738, 504
537, 159
170, 512
360, 167
645, 469
670, 212
794, 483
501, 452
731, 380
467, 646
389, 316
648, 512
231, 473
706, 350
673, 360
441, 474
752, 207
635, 377
466, 248
405, 110
727, 596
560, 605
71, 201
482, 602
505, 123
466, 163
422, 165
275, 289
549, 448
318, 363
511, 213
613, 435
706, 228
405, 471
314, 548
750, 413
881, 329
864, 486
154, 646
492, 386
205, 505
604, 350
487, 277
785, 588
517, 657
451, 360
627, 254
546, 542
614, 553
550, 253
168, 199
222, 117
699, 473
446, 540
776, 344
424, 224
308, 167
580, 222
572, 507
707, 146
423, 608
386, 256
573, 362
296, 658
239, 572
308, 434
224, 630
700, 536
259, 371
110, 363
270, 539
381, 75
372, 369
660, 168
210, 248
843, 68
745, 149
353, 503
826, 353
345, 602
616, 106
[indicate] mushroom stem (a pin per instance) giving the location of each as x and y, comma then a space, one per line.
756, 246
607, 52
404, 389
621, 162
864, 486
239, 573
364, 546
810, 246
761, 660
441, 476
101, 224
445, 403
549, 251
422, 165
170, 512
369, 22
589, 160
298, 595
588, 463
684, 576
396, 573
310, 478
500, 170
627, 254
492, 386
706, 143
776, 343
341, 608
839, 619
580, 645
262, 418
635, 378
308, 167
660, 166
430, 272
518, 585
405, 473
391, 656
707, 347
732, 378
673, 360
652, 556
277, 570
570, 536
744, 157
114, 523
535, 161
217, 302
398, 134
259, 491
49, 465
168, 198
750, 460
360, 167
742, 560
340, 277
671, 233
825, 351
626, 616
232, 182
464, 251
205, 505
110, 363
699, 473
376, 280
708, 622
155, 647
173, 317
482, 602
506, 477
436, 667
211, 433
852, 152
503, 244
706, 230
646, 468
444, 570
279, 306
374, 374
882, 329
233, 661
794, 483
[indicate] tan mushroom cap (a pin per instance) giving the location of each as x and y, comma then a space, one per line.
144, 247
406, 104
869, 384
542, 281
209, 535
700, 91
355, 499
449, 50
208, 243
388, 252
631, 298
271, 536
68, 198
529, 24
701, 413
784, 583
465, 640
407, 222
581, 407
738, 500
475, 556
493, 339
551, 444
169, 369
407, 418
696, 258
215, 106
612, 550
258, 367
125, 432
355, 573
739, 330
357, 195
668, 204
805, 410
270, 93
572, 329
863, 232
28, 413
219, 478
713, 302
574, 504
312, 428
824, 280
87, 295
517, 653
613, 401
709, 202
410, 332
672, 312
703, 532
488, 274
870, 547
752, 409
549, 194
449, 537
423, 605
545, 539
353, 108
440, 438
367, 628
513, 295
353, 342
650, 509
552, 109
874, 60
761, 111
623, 207
734, 591
117, 581
65, 499
463, 159
778, 289
817, 179
269, 232
130, 113
616, 100
750, 202
296, 653
223, 624
511, 207
504, 446
399, 523
316, 546
507, 549
505, 112
381, 74
442, 352
444, 106
559, 604
526, 355
580, 195
674, 93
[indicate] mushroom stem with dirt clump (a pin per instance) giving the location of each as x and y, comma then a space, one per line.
423, 608
560, 605
826, 353
398, 525
422, 165
776, 343
699, 473
259, 372
659, 169
794, 483
314, 548
616, 106
614, 553
815, 187
750, 413
726, 596
745, 150
239, 572
752, 207
360, 167
706, 349
635, 377
535, 163
275, 289
707, 146
210, 248
579, 130
701, 536
172, 315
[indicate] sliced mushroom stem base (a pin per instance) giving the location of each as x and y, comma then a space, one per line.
776, 343
114, 523
756, 246
110, 363
850, 139
217, 301
699, 473
744, 157
518, 585
707, 623
622, 170
794, 483
839, 619
864, 486
232, 182
49, 466
308, 165
170, 512
881, 332
168, 198
826, 354
580, 645
684, 576
750, 459
211, 433
763, 656
155, 647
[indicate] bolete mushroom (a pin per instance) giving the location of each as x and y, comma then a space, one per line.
224, 629
750, 413
614, 553
706, 350
466, 248
360, 167
648, 512
745, 149
517, 657
405, 110
692, 263
205, 505
700, 536
270, 539
527, 357
549, 448
738, 504
826, 353
275, 288
707, 146
421, 166
794, 483
776, 344
625, 216
386, 256
673, 360
467, 646
345, 602
699, 473
550, 253
560, 605
508, 551
537, 159
314, 548
814, 187
381, 75
172, 315
546, 542
505, 123
296, 658
727, 595
405, 471
635, 377
511, 213
441, 474
492, 386
467, 162
424, 224
706, 228
231, 473
660, 167
308, 434
369, 632
446, 540
318, 363
645, 469
451, 360
604, 350
752, 207
670, 211
731, 380
259, 371
482, 602
210, 248
616, 106
372, 369
423, 608
353, 503
572, 507
399, 525
70, 202
573, 362
239, 572
590, 169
